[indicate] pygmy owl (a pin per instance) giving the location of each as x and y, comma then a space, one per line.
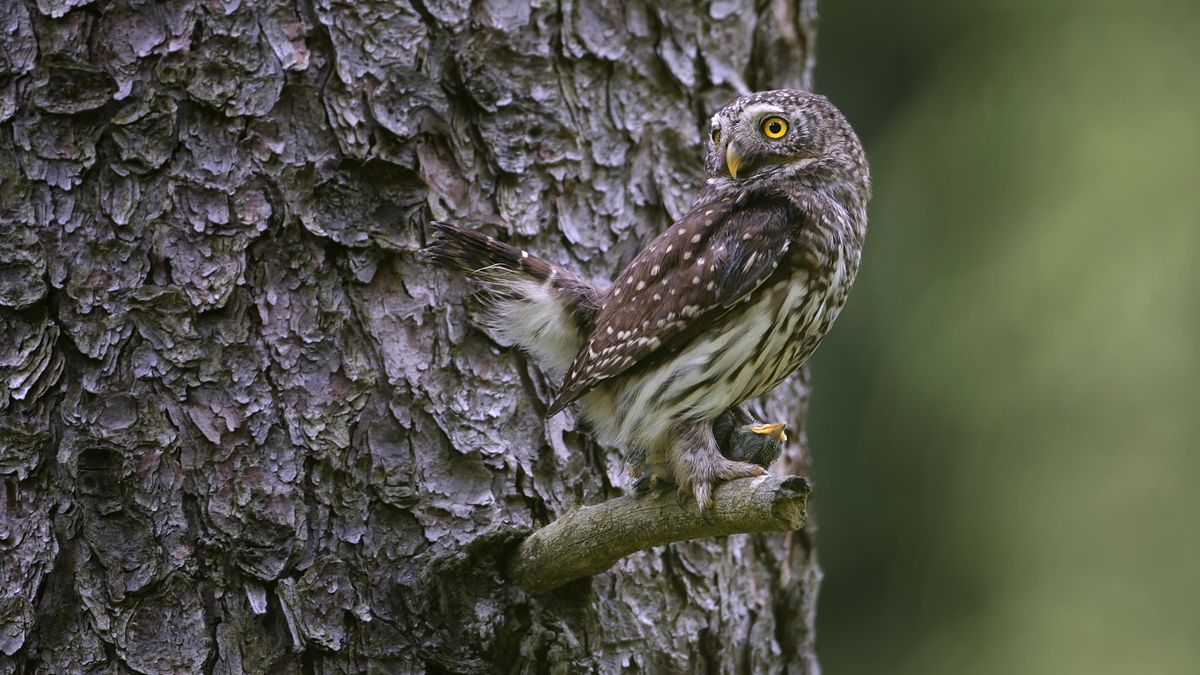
718, 309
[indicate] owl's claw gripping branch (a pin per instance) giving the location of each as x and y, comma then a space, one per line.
590, 540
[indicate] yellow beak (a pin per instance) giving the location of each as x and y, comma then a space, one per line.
733, 159
770, 429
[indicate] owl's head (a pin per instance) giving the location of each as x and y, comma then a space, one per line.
781, 137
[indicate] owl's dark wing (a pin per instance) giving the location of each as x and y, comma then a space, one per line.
685, 279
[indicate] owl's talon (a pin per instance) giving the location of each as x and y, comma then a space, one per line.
643, 485
702, 493
705, 500
650, 483
681, 497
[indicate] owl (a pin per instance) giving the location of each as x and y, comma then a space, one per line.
718, 309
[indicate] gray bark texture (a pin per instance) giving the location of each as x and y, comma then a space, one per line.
245, 427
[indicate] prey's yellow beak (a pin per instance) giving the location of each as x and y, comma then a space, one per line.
733, 159
770, 429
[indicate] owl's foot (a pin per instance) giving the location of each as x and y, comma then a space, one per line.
697, 463
741, 438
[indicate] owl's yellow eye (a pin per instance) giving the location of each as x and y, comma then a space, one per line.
775, 127
716, 136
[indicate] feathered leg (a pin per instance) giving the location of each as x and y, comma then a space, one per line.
697, 463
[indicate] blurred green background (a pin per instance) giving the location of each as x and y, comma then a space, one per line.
1006, 417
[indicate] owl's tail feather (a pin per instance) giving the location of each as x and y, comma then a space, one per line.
535, 304
474, 251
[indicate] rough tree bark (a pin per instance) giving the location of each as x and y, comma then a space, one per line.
246, 428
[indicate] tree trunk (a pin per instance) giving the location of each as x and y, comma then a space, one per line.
246, 428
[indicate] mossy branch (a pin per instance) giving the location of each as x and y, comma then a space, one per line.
590, 540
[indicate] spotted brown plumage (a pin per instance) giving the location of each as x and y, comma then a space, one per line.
700, 267
719, 308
